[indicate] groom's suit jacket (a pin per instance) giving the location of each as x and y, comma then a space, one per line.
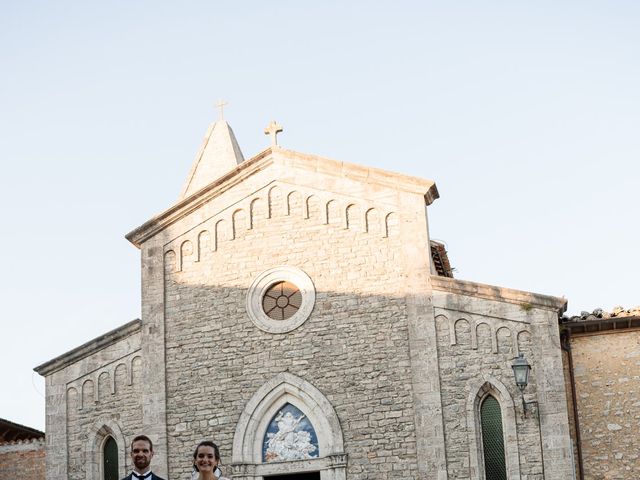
153, 476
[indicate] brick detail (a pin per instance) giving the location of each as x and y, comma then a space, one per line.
22, 460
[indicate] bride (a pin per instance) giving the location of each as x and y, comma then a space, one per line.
206, 459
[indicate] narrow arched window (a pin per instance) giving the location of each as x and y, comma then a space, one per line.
110, 460
492, 439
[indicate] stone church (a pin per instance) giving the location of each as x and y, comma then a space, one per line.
296, 312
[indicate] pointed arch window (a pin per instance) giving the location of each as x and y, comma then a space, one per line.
493, 439
110, 459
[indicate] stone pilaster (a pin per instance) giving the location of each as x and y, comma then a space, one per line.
554, 423
56, 427
154, 402
431, 454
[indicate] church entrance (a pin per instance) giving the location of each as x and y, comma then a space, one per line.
296, 476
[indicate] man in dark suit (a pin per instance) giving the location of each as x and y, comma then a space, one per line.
141, 455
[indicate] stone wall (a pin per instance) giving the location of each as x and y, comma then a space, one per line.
607, 379
100, 404
93, 392
477, 342
372, 353
23, 460
353, 348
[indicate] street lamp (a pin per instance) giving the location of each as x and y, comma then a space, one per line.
521, 369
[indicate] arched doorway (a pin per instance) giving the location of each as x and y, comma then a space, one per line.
110, 459
101, 448
288, 431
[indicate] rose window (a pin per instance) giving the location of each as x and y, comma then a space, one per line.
282, 300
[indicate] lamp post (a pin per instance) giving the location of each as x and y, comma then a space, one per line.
521, 369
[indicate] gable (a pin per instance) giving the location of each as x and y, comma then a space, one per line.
306, 171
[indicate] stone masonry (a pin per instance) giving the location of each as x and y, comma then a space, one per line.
341, 350
480, 330
93, 392
354, 346
389, 365
607, 386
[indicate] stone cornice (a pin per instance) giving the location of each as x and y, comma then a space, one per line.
491, 292
314, 163
89, 348
384, 178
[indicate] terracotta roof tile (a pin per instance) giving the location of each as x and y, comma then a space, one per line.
441, 259
599, 313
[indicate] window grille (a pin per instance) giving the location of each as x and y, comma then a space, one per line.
493, 440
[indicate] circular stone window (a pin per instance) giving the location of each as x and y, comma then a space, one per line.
281, 299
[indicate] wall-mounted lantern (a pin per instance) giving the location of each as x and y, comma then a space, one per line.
521, 369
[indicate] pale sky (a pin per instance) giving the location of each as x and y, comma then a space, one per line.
526, 114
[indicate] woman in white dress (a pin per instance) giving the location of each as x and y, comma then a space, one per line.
206, 459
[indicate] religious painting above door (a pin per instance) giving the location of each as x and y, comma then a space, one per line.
290, 436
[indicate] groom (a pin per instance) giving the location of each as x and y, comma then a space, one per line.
141, 455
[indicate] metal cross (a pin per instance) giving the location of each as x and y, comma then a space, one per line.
221, 104
272, 130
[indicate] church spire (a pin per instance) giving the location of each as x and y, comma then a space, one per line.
218, 155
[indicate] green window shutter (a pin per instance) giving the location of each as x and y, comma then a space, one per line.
493, 440
110, 459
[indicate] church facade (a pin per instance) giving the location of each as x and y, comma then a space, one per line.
295, 311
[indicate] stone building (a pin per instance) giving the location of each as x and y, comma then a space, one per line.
22, 452
295, 311
601, 354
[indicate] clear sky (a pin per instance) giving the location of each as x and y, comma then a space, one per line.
526, 114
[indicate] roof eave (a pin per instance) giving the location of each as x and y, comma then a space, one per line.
492, 292
23, 428
88, 348
601, 325
158, 223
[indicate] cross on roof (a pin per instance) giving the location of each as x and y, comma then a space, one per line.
272, 130
221, 104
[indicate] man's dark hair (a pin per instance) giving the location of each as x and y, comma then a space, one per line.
143, 438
